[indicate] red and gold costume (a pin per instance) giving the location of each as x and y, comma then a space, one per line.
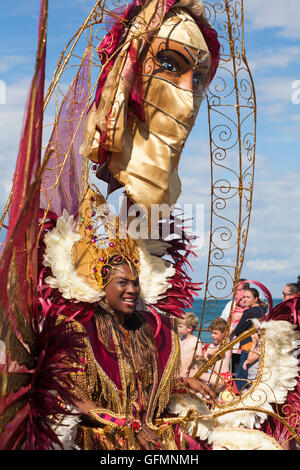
127, 399
52, 292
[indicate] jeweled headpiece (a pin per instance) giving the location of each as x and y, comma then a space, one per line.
96, 253
83, 253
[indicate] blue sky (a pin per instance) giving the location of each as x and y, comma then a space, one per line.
273, 52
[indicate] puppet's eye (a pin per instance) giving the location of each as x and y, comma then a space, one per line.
168, 63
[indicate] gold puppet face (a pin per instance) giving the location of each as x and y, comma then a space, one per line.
145, 153
179, 54
175, 71
182, 65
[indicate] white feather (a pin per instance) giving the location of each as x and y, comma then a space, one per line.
279, 373
58, 256
154, 275
66, 432
242, 439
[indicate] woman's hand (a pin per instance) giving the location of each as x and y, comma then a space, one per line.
198, 386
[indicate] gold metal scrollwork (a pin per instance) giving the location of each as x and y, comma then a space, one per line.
232, 131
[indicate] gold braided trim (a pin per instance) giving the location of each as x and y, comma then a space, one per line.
169, 378
97, 386
103, 438
93, 382
129, 388
98, 411
121, 437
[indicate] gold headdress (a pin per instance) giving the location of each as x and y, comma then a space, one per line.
95, 254
82, 255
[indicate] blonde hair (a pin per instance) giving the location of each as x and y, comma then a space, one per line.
190, 319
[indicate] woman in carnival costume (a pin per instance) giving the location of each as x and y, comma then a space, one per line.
137, 127
138, 124
130, 360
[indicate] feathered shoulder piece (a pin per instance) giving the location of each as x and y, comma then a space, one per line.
79, 253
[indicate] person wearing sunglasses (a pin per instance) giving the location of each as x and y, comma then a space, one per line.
290, 290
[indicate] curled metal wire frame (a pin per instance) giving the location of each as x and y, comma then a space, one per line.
231, 104
232, 131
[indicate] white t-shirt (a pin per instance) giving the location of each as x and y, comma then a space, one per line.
226, 310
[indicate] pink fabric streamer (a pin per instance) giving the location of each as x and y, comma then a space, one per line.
67, 135
37, 348
20, 243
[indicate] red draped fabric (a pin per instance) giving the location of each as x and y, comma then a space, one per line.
19, 259
35, 346
65, 172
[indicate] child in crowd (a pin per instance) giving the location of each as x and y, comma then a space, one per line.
220, 371
189, 344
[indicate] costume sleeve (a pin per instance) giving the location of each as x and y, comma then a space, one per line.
84, 376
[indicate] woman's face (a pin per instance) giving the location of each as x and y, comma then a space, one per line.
184, 66
122, 291
249, 300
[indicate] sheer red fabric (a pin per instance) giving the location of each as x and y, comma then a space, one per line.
61, 181
35, 369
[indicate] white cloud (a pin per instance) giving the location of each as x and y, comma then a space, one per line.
277, 57
275, 105
275, 89
11, 117
273, 252
274, 14
9, 62
271, 265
